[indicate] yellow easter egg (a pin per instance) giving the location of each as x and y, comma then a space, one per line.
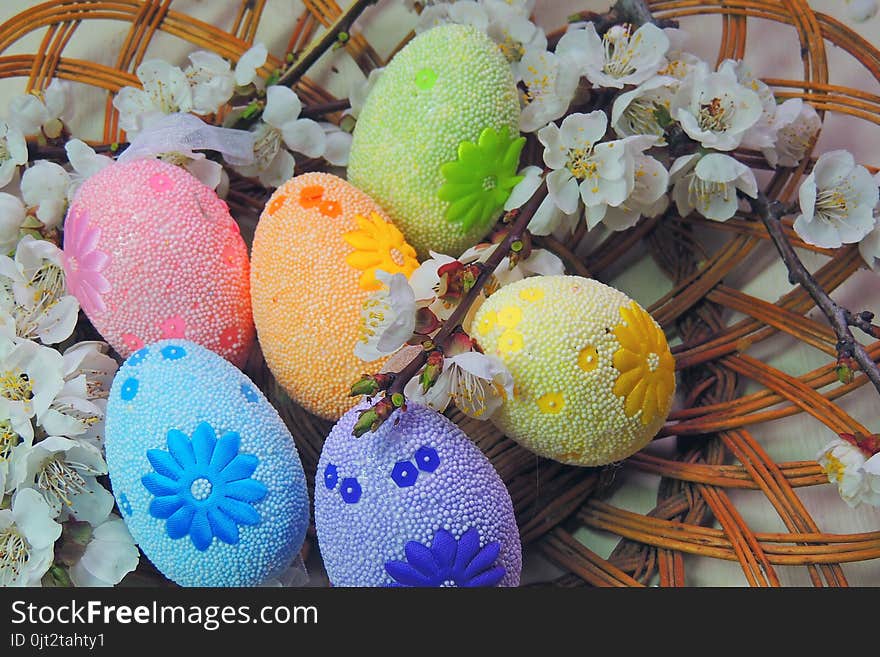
593, 375
317, 248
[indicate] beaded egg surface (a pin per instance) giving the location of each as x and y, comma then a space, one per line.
317, 248
152, 253
413, 503
204, 471
437, 142
593, 375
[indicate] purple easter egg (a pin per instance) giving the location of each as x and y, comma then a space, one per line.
414, 503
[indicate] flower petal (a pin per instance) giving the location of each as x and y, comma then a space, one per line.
179, 523
165, 507
181, 449
305, 136
468, 546
241, 512
444, 548
246, 490
223, 527
405, 574
159, 485
225, 450
241, 467
200, 531
164, 463
483, 561
490, 577
422, 559
203, 442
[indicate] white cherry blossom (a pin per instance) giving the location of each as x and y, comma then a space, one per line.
166, 90
860, 11
27, 538
837, 202
708, 184
551, 80
648, 197
44, 186
109, 555
388, 318
85, 163
715, 109
212, 81
13, 152
41, 308
476, 383
844, 463
621, 56
32, 113
645, 110
795, 136
582, 167
63, 471
246, 68
279, 130
12, 216
30, 378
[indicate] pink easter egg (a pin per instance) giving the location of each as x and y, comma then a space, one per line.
151, 253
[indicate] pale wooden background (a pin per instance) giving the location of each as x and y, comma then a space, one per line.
773, 51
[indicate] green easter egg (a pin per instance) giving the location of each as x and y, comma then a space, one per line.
437, 143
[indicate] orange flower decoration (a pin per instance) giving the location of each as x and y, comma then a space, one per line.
378, 244
312, 196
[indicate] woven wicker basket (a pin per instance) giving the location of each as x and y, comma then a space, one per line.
716, 449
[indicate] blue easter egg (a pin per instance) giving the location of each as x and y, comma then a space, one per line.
414, 503
205, 473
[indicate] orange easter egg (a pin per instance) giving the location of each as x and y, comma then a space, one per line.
316, 251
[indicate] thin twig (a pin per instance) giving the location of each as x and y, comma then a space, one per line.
487, 269
331, 35
841, 319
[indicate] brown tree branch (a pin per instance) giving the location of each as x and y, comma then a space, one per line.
841, 319
487, 269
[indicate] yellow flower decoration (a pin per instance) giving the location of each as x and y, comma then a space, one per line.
378, 244
552, 402
485, 326
510, 316
646, 366
531, 294
510, 342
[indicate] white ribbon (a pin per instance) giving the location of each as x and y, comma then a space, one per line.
185, 133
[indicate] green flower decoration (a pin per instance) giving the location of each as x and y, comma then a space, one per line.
479, 182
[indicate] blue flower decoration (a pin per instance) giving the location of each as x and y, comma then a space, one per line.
448, 562
138, 357
427, 458
331, 476
350, 490
404, 474
129, 389
173, 352
125, 505
249, 393
203, 487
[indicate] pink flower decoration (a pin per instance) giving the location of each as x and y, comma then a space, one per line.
84, 263
173, 327
133, 342
160, 183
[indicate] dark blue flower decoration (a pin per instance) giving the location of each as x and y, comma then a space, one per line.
249, 393
427, 458
350, 490
129, 389
138, 357
173, 352
203, 487
448, 562
331, 476
125, 505
404, 474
